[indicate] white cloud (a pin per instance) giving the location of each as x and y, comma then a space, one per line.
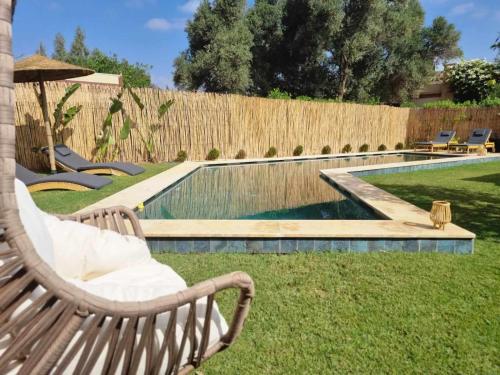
472, 10
162, 24
190, 6
461, 9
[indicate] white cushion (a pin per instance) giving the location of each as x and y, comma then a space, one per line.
34, 225
143, 282
84, 252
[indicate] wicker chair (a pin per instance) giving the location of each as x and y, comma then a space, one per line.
41, 338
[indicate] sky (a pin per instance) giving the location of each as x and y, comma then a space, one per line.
152, 31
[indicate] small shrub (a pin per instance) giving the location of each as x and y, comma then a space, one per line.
304, 97
326, 150
346, 149
272, 152
364, 147
181, 156
278, 94
298, 150
371, 101
399, 146
408, 105
490, 101
382, 147
241, 154
447, 103
213, 154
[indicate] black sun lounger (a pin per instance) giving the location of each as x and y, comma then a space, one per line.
442, 140
61, 181
70, 161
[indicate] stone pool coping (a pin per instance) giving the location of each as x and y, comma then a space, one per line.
407, 226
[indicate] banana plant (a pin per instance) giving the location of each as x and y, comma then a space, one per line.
61, 117
106, 140
148, 136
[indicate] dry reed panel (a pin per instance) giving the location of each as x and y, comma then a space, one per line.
423, 124
201, 121
198, 122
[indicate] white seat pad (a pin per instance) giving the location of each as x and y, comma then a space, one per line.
146, 281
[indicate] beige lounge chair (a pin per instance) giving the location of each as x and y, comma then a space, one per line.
441, 141
477, 138
46, 322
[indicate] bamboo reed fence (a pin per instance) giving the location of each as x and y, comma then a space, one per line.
425, 123
198, 122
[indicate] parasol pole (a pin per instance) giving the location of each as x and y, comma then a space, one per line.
48, 130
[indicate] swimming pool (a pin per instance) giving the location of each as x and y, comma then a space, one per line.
284, 190
237, 191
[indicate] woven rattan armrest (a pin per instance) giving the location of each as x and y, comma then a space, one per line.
119, 218
86, 312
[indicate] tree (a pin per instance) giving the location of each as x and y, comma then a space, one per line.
41, 49
134, 75
302, 60
59, 48
383, 52
361, 50
398, 65
265, 23
359, 31
79, 51
441, 41
218, 58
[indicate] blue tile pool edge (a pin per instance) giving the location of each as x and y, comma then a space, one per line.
316, 245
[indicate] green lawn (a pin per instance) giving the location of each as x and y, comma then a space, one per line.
65, 202
397, 313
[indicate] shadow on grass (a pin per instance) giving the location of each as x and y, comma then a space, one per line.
478, 212
493, 178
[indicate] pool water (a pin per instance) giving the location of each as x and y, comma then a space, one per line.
291, 190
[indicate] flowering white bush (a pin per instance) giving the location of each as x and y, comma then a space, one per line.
472, 80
